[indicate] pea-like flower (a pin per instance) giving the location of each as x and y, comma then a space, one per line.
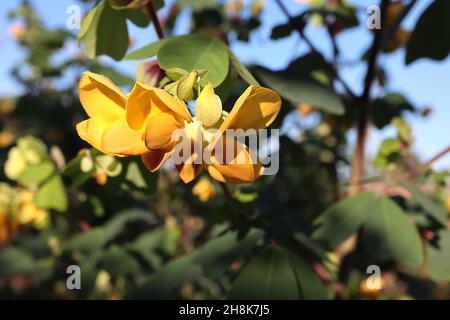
154, 124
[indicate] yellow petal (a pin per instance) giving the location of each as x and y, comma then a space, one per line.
145, 101
119, 139
159, 130
92, 131
208, 107
256, 108
204, 190
188, 171
100, 97
238, 169
153, 160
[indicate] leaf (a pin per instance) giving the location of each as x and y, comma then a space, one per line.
147, 51
97, 237
277, 274
281, 31
118, 262
138, 16
212, 259
387, 234
198, 5
342, 219
146, 244
15, 261
298, 89
243, 72
101, 23
431, 208
127, 4
52, 194
439, 258
195, 52
389, 107
34, 175
430, 36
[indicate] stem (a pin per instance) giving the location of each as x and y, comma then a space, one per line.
364, 101
156, 23
299, 28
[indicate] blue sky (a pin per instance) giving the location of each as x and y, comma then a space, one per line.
425, 83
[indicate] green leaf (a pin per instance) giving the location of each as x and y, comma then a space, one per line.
387, 234
439, 258
430, 36
430, 207
15, 261
198, 5
388, 107
211, 260
118, 262
138, 16
127, 4
243, 72
34, 175
104, 22
342, 219
97, 237
297, 88
195, 52
147, 51
52, 195
276, 273
145, 246
90, 22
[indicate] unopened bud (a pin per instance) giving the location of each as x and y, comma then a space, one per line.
185, 88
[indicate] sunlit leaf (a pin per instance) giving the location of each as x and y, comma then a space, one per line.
195, 52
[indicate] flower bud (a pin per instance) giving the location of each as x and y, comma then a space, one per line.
185, 87
208, 107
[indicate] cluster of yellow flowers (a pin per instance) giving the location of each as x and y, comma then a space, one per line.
17, 208
143, 123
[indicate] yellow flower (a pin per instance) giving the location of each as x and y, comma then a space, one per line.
144, 122
255, 109
204, 190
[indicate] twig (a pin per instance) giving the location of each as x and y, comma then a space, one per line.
299, 28
364, 101
156, 23
439, 155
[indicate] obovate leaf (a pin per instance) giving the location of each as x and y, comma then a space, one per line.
277, 273
342, 219
147, 51
430, 36
430, 207
103, 23
195, 52
439, 258
34, 175
52, 194
387, 234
